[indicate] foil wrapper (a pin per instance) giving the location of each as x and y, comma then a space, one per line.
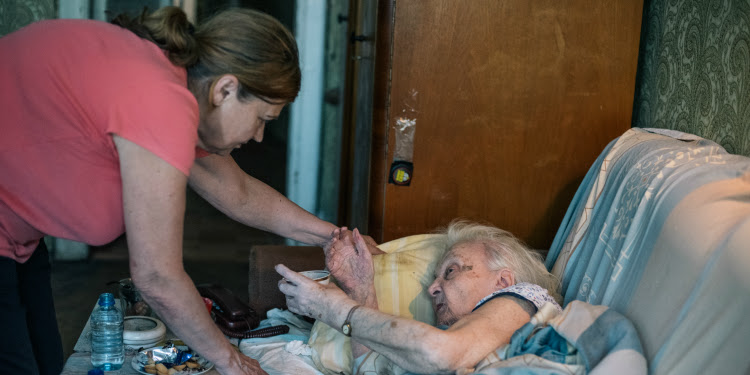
170, 355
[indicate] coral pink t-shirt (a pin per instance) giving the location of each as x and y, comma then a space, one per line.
67, 86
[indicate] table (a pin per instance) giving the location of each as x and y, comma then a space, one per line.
79, 363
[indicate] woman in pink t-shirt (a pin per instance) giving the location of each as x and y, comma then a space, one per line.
103, 127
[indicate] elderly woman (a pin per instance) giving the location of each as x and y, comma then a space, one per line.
487, 285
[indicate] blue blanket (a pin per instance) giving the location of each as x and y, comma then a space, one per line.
582, 339
659, 231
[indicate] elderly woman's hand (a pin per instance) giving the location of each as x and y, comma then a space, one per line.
350, 262
307, 297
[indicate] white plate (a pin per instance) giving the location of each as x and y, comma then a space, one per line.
206, 365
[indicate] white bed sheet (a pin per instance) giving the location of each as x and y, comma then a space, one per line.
283, 354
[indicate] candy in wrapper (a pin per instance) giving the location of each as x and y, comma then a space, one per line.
182, 357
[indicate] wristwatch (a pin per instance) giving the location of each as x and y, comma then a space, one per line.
346, 328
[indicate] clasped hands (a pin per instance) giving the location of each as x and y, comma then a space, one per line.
349, 259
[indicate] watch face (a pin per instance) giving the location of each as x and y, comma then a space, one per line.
347, 329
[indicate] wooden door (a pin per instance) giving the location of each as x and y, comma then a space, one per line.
513, 101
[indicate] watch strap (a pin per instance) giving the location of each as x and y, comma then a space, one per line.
346, 328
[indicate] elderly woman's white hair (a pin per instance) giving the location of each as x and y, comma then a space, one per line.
503, 250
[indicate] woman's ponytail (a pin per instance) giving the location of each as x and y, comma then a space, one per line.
169, 29
251, 45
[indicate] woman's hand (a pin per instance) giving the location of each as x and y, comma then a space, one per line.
372, 246
340, 233
242, 365
307, 297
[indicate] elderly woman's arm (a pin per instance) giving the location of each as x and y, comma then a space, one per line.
247, 200
419, 347
412, 345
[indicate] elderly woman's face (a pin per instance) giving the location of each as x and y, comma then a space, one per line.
461, 281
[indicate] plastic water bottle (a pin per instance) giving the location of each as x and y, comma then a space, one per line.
107, 349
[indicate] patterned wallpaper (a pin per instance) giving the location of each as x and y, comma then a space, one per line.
15, 14
694, 70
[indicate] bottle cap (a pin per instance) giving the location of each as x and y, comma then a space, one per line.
96, 371
106, 299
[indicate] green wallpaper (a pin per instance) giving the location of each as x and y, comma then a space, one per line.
694, 70
15, 14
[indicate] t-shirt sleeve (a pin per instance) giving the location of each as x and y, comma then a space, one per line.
161, 117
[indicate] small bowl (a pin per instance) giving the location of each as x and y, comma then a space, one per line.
319, 276
142, 331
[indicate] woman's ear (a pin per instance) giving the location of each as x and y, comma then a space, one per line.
505, 278
223, 88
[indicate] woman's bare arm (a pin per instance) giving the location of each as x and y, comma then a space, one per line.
154, 208
247, 200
